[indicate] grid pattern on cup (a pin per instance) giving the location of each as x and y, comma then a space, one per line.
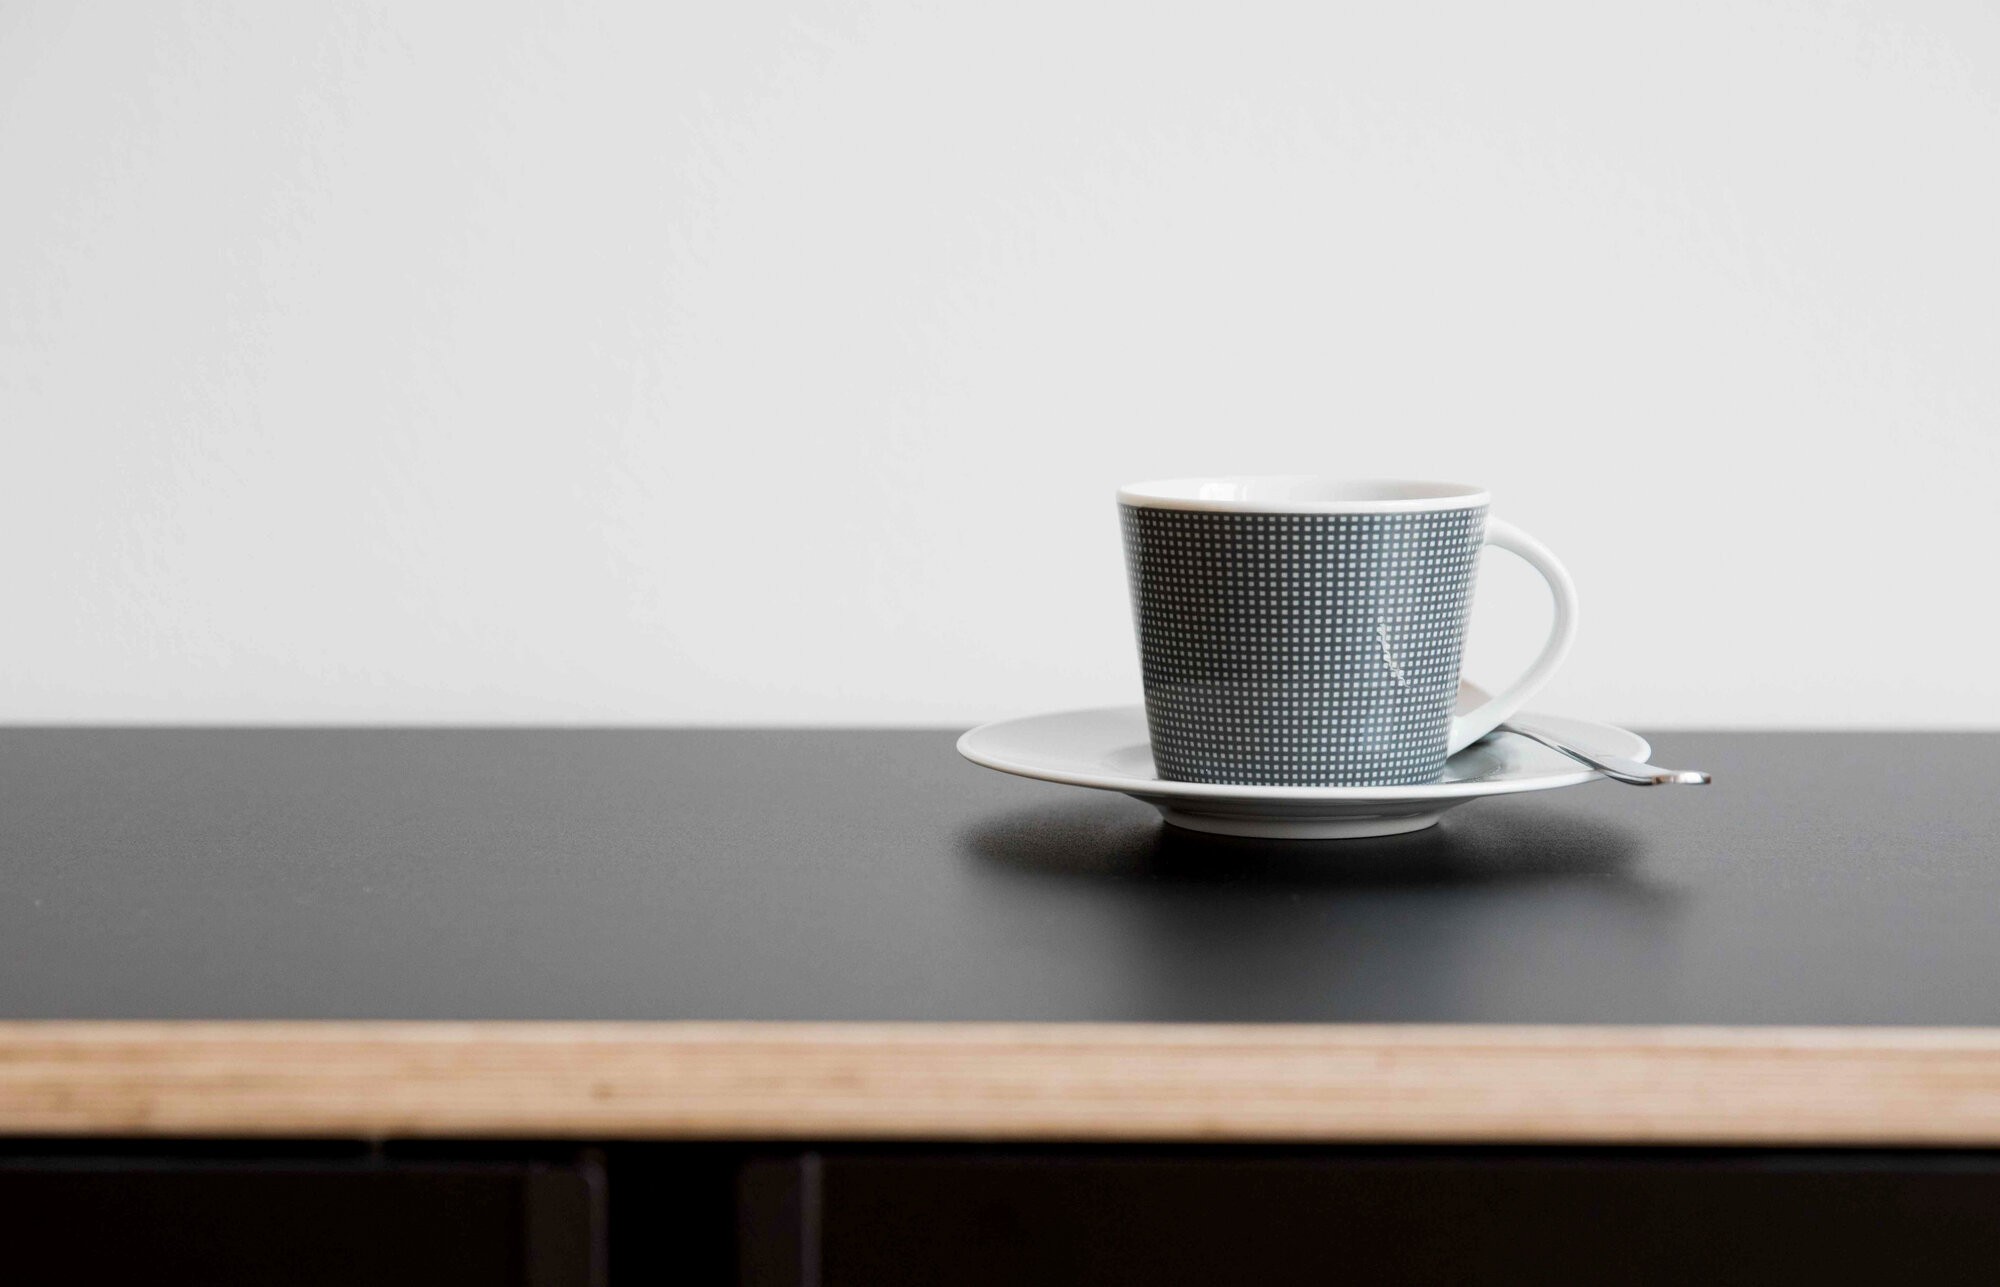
1300, 649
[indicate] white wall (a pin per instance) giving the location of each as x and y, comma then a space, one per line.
736, 362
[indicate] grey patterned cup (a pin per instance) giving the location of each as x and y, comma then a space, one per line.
1301, 631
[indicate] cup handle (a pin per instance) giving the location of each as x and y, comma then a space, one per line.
1473, 725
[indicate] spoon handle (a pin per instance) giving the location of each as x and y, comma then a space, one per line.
1615, 767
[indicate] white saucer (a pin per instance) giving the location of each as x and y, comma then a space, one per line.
1107, 749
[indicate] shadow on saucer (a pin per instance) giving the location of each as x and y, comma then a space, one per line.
1111, 838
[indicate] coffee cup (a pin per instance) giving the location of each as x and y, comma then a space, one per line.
1306, 631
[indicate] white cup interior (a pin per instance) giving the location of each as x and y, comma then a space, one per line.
1302, 494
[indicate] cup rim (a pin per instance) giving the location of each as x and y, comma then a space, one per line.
1302, 494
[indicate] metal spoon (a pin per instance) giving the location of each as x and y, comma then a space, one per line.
1615, 767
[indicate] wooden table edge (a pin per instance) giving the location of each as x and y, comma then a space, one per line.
1383, 1083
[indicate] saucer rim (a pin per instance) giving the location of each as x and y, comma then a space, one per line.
1165, 789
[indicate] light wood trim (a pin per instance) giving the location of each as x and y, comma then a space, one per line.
1883, 1086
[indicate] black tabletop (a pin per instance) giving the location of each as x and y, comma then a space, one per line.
512, 874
